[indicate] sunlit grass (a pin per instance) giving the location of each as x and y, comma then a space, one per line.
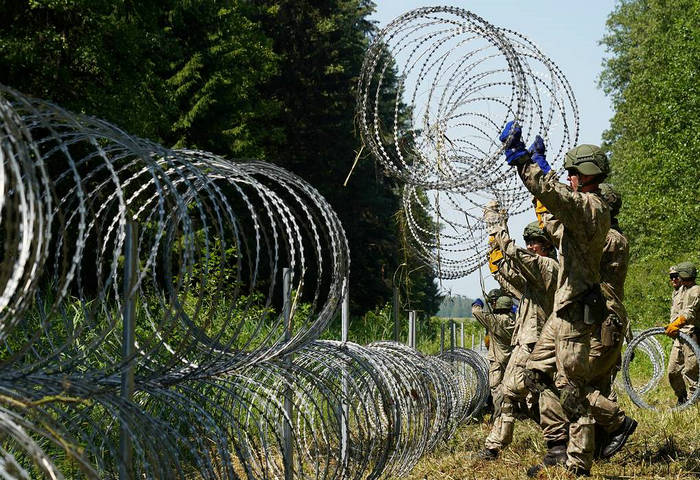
665, 445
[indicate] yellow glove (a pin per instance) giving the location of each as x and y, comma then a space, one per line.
487, 340
539, 210
495, 257
673, 327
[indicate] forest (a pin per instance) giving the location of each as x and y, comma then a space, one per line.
269, 80
275, 80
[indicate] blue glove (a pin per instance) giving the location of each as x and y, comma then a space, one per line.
515, 148
537, 150
478, 302
514, 308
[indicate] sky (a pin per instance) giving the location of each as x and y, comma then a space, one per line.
568, 33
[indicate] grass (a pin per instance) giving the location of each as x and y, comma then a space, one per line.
665, 445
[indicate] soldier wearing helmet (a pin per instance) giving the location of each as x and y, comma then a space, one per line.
579, 306
533, 271
685, 318
606, 342
499, 324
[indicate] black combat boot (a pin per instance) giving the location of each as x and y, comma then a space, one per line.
488, 454
617, 439
556, 453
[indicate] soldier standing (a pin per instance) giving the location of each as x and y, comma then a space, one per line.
499, 324
685, 318
533, 271
579, 305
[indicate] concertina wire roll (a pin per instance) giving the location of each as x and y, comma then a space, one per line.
97, 225
458, 81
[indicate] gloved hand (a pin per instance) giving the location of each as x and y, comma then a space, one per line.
495, 257
673, 327
515, 148
478, 302
539, 211
537, 150
514, 308
487, 340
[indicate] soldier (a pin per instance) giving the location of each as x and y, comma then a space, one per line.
533, 271
685, 318
607, 339
579, 305
500, 326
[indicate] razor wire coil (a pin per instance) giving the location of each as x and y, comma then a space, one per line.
216, 381
636, 393
452, 81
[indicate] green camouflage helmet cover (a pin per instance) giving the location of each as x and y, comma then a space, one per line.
587, 160
503, 303
686, 270
612, 197
534, 232
493, 294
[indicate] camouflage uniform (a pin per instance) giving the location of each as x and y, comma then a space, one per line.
584, 222
536, 277
682, 364
500, 327
608, 337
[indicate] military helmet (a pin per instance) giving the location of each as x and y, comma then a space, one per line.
503, 303
612, 197
686, 270
493, 294
534, 232
587, 160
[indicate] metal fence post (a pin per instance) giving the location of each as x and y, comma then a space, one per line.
287, 430
453, 334
442, 337
461, 334
128, 343
395, 311
345, 318
412, 329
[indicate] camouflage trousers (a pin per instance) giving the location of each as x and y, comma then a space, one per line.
683, 368
496, 371
512, 389
573, 356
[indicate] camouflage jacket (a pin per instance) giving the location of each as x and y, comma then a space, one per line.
500, 327
538, 277
510, 281
585, 221
686, 302
613, 271
615, 261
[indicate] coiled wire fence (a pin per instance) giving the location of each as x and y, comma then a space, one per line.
450, 82
160, 313
459, 81
647, 348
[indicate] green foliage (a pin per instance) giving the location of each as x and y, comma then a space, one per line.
273, 79
182, 73
321, 47
652, 78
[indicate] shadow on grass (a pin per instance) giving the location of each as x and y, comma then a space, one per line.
667, 452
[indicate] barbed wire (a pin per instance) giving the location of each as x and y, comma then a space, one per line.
646, 343
437, 86
99, 227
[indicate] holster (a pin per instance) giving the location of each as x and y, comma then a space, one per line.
611, 330
594, 308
